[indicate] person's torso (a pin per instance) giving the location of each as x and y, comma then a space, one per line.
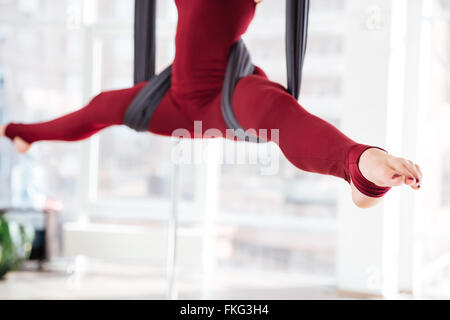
206, 31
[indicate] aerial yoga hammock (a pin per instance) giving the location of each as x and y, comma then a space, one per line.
213, 80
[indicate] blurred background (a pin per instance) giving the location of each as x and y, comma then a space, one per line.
377, 69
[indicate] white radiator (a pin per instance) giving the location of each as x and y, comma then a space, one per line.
133, 244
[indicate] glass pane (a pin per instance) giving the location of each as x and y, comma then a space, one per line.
132, 165
40, 79
291, 193
276, 250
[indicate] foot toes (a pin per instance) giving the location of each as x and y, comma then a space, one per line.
396, 180
412, 176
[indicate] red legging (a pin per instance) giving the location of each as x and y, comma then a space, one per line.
206, 31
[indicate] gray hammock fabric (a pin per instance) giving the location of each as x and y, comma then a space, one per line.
140, 111
144, 40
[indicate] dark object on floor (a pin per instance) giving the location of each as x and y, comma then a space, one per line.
15, 244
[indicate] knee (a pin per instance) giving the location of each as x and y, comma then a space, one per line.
101, 98
106, 102
101, 109
97, 100
120, 98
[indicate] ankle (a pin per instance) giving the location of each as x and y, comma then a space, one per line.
363, 163
369, 160
361, 200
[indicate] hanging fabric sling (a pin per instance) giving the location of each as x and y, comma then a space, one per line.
239, 65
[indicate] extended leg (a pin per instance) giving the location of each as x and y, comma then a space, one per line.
315, 145
105, 110
307, 141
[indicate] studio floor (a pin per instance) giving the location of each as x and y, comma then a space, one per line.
107, 281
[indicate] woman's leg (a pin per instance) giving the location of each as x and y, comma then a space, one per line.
315, 145
104, 110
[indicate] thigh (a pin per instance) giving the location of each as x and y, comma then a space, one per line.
308, 142
259, 103
168, 117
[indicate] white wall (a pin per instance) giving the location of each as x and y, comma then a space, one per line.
367, 257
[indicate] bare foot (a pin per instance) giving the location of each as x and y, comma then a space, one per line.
385, 170
21, 145
2, 131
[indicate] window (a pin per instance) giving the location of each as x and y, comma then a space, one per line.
41, 79
286, 222
435, 278
130, 172
134, 166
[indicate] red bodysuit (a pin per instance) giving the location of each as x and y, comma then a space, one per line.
206, 31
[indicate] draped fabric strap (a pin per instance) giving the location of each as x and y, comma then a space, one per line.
141, 109
144, 40
297, 12
239, 65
